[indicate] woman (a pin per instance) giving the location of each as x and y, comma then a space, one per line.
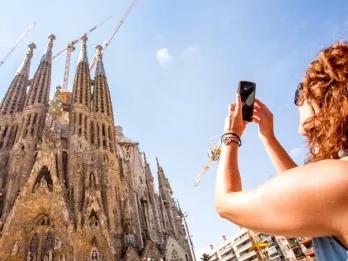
309, 200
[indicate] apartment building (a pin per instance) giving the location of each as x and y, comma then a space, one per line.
246, 245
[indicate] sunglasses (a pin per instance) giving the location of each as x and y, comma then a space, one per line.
298, 93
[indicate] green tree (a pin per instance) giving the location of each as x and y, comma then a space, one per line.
55, 105
205, 257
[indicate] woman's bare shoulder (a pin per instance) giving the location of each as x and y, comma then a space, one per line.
330, 176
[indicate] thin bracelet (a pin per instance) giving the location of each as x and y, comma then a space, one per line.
229, 137
233, 134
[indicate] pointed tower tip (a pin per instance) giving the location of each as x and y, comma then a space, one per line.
30, 51
51, 38
83, 52
84, 38
159, 168
48, 53
99, 49
99, 57
24, 67
32, 46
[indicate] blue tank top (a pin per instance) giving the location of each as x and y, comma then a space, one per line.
329, 249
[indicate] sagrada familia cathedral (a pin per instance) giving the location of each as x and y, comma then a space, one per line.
72, 186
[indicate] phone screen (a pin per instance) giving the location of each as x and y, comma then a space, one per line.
247, 91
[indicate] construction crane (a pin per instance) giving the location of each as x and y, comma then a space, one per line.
70, 48
117, 28
19, 40
258, 246
213, 156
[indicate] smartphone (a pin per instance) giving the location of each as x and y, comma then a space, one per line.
247, 91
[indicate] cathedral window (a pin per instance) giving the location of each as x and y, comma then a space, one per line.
85, 128
101, 96
14, 136
33, 248
43, 221
94, 255
175, 256
98, 135
93, 220
35, 118
92, 132
5, 131
104, 136
92, 181
81, 89
43, 179
48, 246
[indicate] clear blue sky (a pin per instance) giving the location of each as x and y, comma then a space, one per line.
174, 67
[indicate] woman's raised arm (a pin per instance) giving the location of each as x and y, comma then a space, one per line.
306, 200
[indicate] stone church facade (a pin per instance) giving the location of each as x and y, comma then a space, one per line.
72, 186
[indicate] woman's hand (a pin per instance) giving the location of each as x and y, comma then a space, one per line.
234, 120
263, 117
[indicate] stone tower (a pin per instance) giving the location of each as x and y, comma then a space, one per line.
11, 107
73, 187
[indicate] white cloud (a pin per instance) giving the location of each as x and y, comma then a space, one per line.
163, 56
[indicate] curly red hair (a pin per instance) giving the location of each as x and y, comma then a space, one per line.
326, 85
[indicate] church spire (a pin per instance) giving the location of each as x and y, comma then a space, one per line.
161, 177
47, 57
100, 65
40, 87
83, 52
82, 81
15, 96
24, 68
101, 95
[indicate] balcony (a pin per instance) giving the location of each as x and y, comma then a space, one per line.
225, 249
247, 255
230, 256
245, 247
241, 240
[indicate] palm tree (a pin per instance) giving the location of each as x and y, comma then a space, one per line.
205, 257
